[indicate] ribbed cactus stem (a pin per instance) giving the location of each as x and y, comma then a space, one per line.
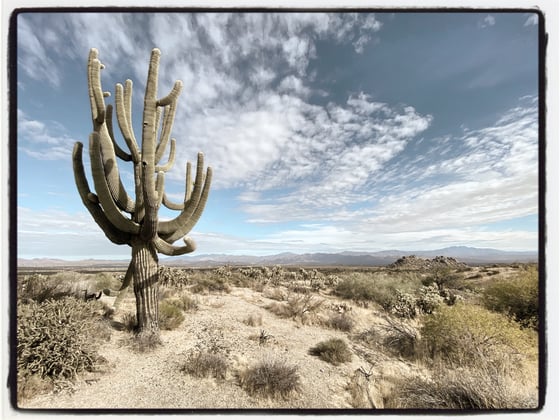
135, 222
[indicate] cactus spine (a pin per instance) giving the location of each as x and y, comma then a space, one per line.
135, 222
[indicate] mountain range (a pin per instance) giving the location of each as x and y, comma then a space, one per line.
464, 254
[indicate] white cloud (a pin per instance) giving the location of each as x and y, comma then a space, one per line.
532, 20
43, 141
487, 21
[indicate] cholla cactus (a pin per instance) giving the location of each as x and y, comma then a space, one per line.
135, 222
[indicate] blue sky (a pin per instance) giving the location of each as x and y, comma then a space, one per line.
326, 132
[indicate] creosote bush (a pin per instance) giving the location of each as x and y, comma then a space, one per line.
170, 316
334, 351
270, 379
517, 297
470, 335
58, 339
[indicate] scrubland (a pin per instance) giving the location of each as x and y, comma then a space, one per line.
284, 337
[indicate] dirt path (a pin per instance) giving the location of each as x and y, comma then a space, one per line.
155, 380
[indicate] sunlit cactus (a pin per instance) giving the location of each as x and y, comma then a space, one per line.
133, 220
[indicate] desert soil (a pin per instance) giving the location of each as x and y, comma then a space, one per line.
134, 380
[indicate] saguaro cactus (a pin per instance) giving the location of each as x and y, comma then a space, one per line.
135, 222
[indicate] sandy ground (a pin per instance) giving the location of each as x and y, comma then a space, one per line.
155, 380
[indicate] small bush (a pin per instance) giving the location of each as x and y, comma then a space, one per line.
210, 283
205, 364
253, 320
58, 339
270, 379
170, 316
334, 351
342, 322
184, 302
517, 297
467, 389
298, 307
469, 335
145, 341
404, 305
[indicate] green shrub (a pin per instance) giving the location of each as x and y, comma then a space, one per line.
334, 351
470, 335
57, 339
517, 297
364, 288
210, 283
442, 277
170, 316
270, 379
429, 298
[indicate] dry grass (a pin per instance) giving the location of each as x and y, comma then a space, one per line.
270, 379
334, 351
205, 364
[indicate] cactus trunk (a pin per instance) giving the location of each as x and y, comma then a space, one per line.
135, 221
145, 277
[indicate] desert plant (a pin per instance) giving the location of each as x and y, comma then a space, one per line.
204, 364
470, 335
135, 222
271, 379
467, 389
342, 322
404, 305
253, 320
170, 316
58, 339
298, 307
517, 297
334, 351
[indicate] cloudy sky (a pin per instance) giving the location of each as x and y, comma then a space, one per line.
326, 132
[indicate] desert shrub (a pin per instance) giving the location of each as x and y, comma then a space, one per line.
184, 302
429, 298
205, 364
210, 283
342, 322
517, 297
270, 379
129, 321
442, 277
253, 320
145, 341
400, 337
107, 281
40, 288
298, 307
363, 289
173, 277
170, 316
474, 388
275, 293
334, 351
58, 339
404, 305
470, 335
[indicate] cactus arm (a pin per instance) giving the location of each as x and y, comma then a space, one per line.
98, 111
94, 87
172, 250
119, 152
195, 216
168, 227
127, 277
171, 159
188, 183
172, 96
125, 123
106, 199
170, 204
92, 203
169, 115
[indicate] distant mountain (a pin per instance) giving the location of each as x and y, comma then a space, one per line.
464, 254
